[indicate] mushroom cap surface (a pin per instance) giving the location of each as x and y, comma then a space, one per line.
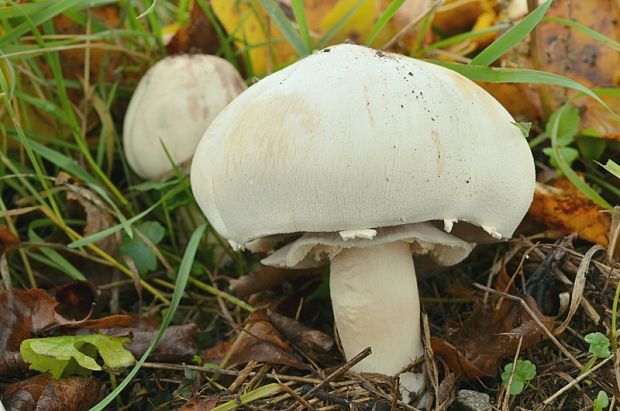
175, 102
352, 138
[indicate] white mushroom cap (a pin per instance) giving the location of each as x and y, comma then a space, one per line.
351, 138
174, 103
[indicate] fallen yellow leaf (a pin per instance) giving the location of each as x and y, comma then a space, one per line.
562, 207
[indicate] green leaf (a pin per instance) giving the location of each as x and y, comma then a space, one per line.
568, 126
591, 148
512, 37
599, 344
601, 402
525, 371
139, 251
569, 155
524, 127
179, 288
565, 167
57, 355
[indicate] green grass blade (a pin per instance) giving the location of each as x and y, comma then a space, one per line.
54, 9
57, 260
385, 17
244, 399
181, 283
462, 37
512, 75
284, 24
612, 167
331, 33
111, 230
27, 9
565, 167
302, 22
586, 30
512, 37
149, 10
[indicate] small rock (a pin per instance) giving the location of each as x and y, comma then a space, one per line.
468, 400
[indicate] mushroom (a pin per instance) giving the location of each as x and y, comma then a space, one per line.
172, 106
360, 159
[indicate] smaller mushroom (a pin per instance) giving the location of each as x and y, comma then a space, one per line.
172, 106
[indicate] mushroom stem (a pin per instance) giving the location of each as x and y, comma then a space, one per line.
375, 300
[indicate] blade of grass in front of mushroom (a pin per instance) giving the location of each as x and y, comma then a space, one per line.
181, 283
384, 19
512, 37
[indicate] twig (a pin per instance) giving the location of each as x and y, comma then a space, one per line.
576, 381
512, 373
292, 393
337, 373
411, 25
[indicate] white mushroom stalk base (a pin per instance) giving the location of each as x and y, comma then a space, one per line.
375, 300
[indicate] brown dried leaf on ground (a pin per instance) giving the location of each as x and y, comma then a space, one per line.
98, 217
198, 36
514, 99
178, 343
268, 278
197, 404
25, 313
562, 207
258, 341
571, 53
7, 239
44, 393
475, 347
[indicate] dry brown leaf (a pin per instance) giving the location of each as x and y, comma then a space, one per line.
571, 53
177, 344
7, 239
25, 313
458, 16
198, 404
597, 118
514, 99
562, 207
259, 341
198, 36
44, 393
98, 217
268, 278
475, 347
